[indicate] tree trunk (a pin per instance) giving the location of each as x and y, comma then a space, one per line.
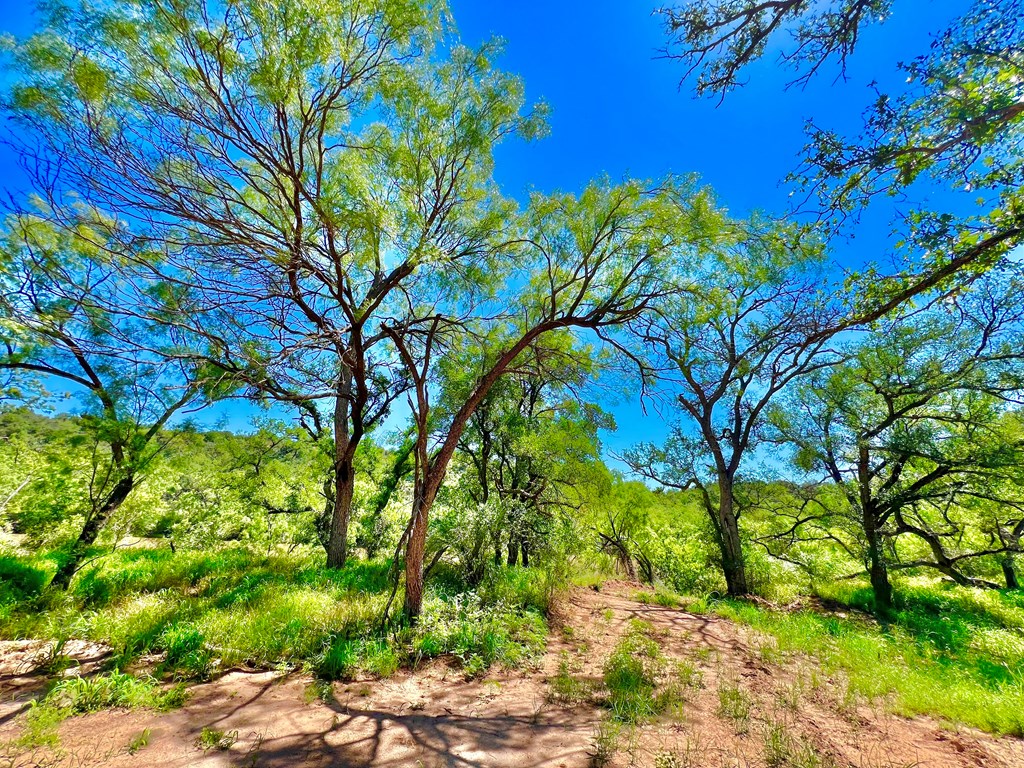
414, 551
877, 570
733, 565
1010, 572
513, 551
337, 543
344, 475
91, 530
524, 547
626, 561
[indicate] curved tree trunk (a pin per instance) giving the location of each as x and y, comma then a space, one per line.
91, 530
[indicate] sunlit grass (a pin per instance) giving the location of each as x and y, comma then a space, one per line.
949, 652
211, 611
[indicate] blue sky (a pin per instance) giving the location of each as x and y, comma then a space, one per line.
619, 109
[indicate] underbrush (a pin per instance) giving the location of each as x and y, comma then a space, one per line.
948, 651
204, 612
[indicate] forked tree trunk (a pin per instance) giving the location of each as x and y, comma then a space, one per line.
91, 530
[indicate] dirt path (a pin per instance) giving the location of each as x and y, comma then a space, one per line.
434, 717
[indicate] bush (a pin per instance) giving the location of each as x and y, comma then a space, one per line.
478, 633
19, 582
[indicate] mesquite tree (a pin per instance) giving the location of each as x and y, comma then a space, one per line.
953, 117
294, 163
586, 263
753, 316
910, 429
527, 441
60, 324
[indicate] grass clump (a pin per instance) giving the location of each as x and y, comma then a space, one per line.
639, 679
566, 686
785, 750
479, 634
212, 738
735, 704
139, 741
82, 695
631, 675
116, 690
606, 742
344, 659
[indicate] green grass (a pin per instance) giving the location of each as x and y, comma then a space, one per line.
208, 611
566, 685
735, 704
212, 738
640, 681
949, 652
82, 695
783, 749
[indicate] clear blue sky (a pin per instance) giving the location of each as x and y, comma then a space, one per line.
618, 108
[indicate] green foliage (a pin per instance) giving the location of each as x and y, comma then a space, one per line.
478, 633
19, 581
208, 611
80, 695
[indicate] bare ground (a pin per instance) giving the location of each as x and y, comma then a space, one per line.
434, 717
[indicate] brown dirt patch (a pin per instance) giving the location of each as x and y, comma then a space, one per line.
434, 717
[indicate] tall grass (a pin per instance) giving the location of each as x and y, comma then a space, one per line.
208, 611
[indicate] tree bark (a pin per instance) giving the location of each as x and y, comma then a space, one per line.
91, 530
733, 564
1010, 572
513, 551
414, 561
345, 443
344, 487
877, 570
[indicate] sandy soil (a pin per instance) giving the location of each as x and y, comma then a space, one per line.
434, 717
